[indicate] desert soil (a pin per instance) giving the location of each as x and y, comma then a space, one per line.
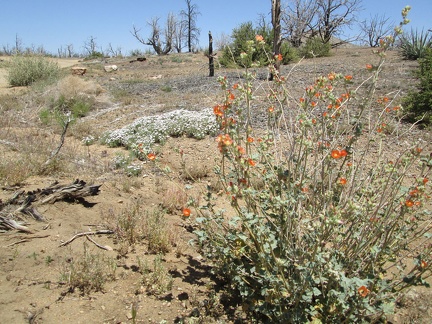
32, 289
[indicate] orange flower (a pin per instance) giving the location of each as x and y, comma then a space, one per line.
314, 103
425, 180
331, 76
151, 156
363, 291
231, 96
302, 100
186, 212
259, 38
335, 154
218, 111
251, 162
279, 57
348, 77
235, 86
342, 181
409, 203
419, 149
343, 153
369, 66
241, 150
271, 109
423, 264
250, 139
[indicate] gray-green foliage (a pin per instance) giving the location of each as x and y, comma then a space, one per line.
25, 70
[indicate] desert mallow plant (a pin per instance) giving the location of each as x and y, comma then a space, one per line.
325, 225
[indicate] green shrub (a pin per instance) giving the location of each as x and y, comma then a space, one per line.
25, 70
242, 36
289, 53
415, 44
325, 226
95, 55
418, 104
314, 47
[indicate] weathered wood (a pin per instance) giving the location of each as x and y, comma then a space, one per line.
86, 234
25, 203
210, 55
9, 223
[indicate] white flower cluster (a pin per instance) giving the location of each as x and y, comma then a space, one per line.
146, 131
88, 140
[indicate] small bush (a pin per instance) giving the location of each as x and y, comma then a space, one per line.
25, 70
414, 45
89, 272
94, 56
156, 279
314, 47
61, 107
418, 104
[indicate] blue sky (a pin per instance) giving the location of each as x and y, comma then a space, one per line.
53, 24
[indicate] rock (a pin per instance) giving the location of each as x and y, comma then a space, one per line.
156, 77
78, 70
109, 68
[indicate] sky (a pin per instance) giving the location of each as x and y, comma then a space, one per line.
56, 23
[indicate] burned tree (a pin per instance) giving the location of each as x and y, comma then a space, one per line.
189, 18
277, 40
161, 47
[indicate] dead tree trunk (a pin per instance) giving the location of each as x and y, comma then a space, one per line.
277, 41
210, 56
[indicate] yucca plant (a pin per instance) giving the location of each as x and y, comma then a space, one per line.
414, 44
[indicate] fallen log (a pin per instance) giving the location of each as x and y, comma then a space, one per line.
23, 203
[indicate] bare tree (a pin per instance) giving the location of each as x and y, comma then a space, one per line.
189, 18
333, 15
90, 46
18, 49
298, 20
179, 36
222, 41
161, 47
70, 50
375, 29
114, 52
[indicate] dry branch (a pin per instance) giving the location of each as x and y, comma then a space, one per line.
86, 234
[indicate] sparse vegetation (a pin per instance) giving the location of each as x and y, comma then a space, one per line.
88, 272
155, 279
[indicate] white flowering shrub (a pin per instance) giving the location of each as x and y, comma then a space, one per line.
144, 132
